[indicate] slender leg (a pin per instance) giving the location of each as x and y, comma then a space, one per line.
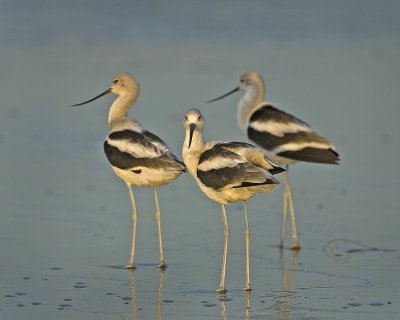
283, 222
158, 220
247, 238
222, 288
288, 191
131, 264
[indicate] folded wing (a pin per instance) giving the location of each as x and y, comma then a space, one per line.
132, 150
221, 169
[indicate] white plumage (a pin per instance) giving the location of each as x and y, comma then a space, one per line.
278, 129
137, 150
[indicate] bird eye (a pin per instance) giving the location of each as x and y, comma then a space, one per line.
241, 80
199, 117
186, 117
115, 81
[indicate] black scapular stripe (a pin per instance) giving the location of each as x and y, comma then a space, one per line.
308, 154
119, 159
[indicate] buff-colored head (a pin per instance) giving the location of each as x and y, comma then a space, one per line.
193, 122
250, 79
122, 84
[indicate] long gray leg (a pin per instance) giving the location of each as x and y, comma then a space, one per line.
158, 220
131, 264
247, 239
289, 198
222, 288
283, 222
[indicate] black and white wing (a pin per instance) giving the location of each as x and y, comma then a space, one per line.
221, 169
286, 136
131, 150
252, 154
161, 144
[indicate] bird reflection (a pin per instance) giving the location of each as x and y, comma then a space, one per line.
288, 274
285, 301
134, 306
224, 310
247, 309
132, 280
159, 295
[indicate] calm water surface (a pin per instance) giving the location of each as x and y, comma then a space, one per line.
65, 218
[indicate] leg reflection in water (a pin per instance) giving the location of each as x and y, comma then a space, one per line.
224, 311
285, 301
132, 280
134, 301
159, 296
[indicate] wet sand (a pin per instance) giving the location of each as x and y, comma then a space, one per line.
287, 285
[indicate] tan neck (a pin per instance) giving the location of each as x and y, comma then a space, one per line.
190, 155
252, 98
120, 107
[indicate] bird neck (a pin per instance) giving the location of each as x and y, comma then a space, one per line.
191, 155
252, 98
197, 140
120, 107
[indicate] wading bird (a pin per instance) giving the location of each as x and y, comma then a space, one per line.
137, 156
285, 137
226, 173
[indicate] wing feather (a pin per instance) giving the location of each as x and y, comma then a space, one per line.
132, 150
222, 169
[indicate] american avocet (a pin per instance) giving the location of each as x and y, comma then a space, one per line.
226, 172
287, 138
137, 156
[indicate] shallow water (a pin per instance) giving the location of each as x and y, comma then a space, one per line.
65, 218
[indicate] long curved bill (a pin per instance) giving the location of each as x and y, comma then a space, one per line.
192, 127
96, 97
225, 95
